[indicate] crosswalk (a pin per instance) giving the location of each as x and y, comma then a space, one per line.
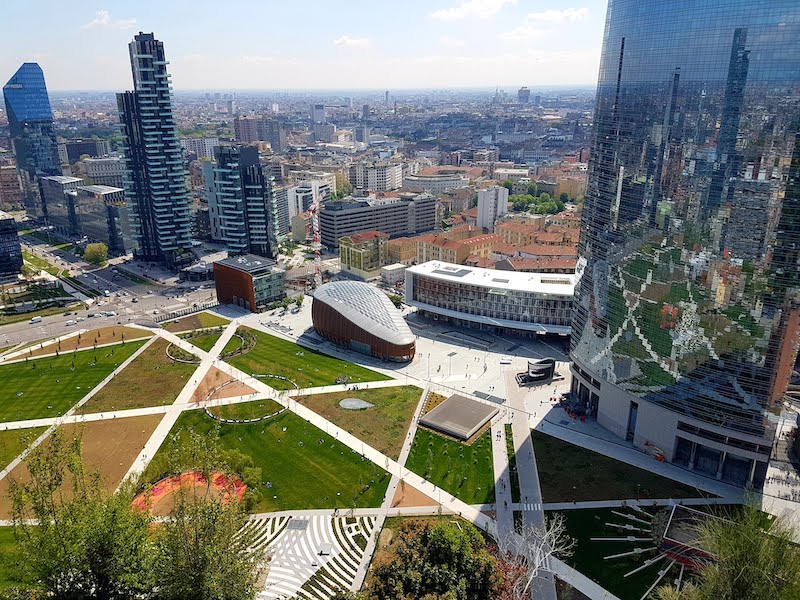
531, 506
309, 557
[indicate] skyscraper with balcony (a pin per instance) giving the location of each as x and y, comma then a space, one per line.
685, 325
241, 202
155, 186
30, 123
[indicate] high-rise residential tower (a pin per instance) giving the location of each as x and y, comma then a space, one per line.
241, 202
687, 311
30, 123
492, 204
155, 186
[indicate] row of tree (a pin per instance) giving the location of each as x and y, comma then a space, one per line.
542, 204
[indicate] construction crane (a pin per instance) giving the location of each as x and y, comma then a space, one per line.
317, 243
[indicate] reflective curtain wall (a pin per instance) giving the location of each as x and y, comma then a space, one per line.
688, 294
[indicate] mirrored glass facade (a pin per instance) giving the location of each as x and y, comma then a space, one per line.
688, 298
30, 123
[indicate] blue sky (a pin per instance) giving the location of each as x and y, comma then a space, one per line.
310, 44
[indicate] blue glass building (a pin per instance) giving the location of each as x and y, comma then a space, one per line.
30, 121
687, 314
155, 186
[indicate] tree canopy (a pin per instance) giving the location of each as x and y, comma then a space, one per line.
441, 561
543, 204
96, 254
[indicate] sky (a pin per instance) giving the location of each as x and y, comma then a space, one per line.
310, 44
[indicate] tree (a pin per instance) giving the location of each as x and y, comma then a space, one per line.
96, 254
445, 560
754, 559
199, 552
473, 202
396, 300
533, 188
525, 556
86, 543
563, 197
508, 184
520, 202
299, 301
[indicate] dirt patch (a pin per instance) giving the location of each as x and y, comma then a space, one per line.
432, 401
216, 378
407, 495
109, 447
88, 339
160, 498
199, 320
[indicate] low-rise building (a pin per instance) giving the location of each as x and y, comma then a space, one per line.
249, 281
402, 250
497, 301
108, 170
393, 274
363, 254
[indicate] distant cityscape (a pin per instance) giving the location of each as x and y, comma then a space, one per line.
617, 267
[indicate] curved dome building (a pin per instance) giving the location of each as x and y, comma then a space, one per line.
358, 316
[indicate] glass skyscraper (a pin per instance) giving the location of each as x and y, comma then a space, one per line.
241, 202
687, 312
155, 186
30, 122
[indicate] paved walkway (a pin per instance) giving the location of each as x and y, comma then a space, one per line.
504, 512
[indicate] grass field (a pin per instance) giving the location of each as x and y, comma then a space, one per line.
384, 426
306, 467
152, 379
199, 320
39, 263
582, 524
12, 568
570, 473
246, 410
14, 441
205, 341
464, 471
48, 387
308, 368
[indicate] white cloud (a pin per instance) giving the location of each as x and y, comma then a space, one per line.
103, 19
524, 32
350, 42
481, 9
451, 42
568, 15
257, 60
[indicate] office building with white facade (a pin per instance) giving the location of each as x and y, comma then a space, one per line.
492, 204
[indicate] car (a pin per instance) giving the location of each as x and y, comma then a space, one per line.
134, 300
90, 315
79, 319
68, 313
70, 323
35, 320
505, 360
106, 293
101, 303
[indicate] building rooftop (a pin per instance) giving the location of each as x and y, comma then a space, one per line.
249, 263
555, 284
100, 189
63, 179
366, 236
367, 307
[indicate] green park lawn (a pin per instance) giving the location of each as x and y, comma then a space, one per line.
152, 379
14, 441
246, 410
308, 368
571, 473
383, 426
48, 387
205, 341
465, 471
12, 567
583, 524
306, 467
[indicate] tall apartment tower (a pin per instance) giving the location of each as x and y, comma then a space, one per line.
30, 123
685, 324
523, 95
155, 186
241, 202
492, 204
276, 135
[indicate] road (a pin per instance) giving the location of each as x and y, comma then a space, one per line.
132, 301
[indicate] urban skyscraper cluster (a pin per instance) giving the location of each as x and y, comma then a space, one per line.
687, 313
155, 186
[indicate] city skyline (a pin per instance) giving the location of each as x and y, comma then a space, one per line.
457, 44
